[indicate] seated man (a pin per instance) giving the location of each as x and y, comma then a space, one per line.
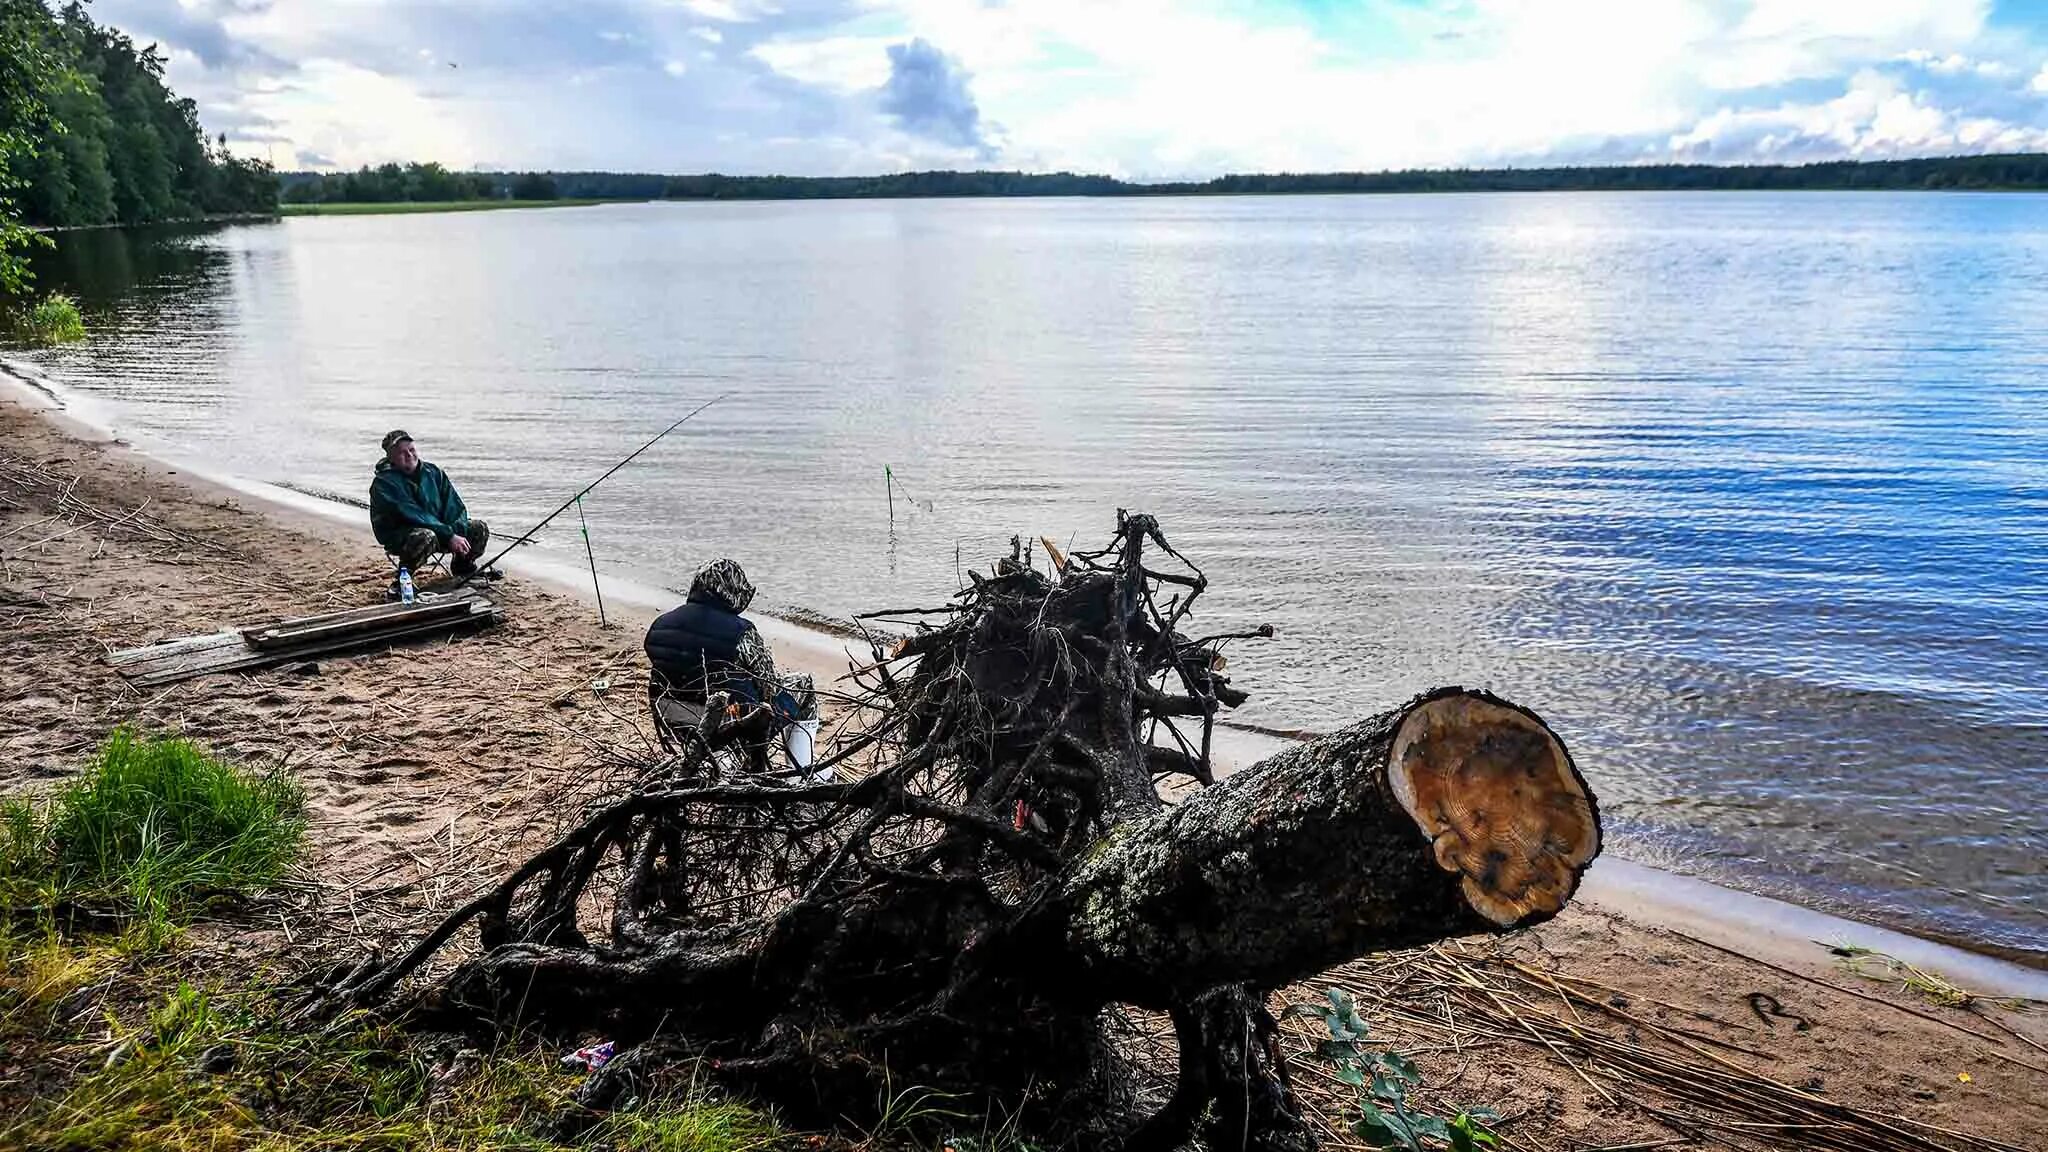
705, 647
415, 511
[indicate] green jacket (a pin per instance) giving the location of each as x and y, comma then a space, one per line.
425, 499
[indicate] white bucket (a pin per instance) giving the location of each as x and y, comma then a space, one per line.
799, 739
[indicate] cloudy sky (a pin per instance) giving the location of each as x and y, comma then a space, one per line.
1136, 88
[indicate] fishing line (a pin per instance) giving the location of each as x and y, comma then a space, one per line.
528, 534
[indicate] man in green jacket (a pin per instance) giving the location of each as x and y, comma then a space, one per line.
415, 511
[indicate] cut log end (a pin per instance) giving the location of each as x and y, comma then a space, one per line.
1496, 794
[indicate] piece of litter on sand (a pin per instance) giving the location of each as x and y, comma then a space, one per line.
600, 685
593, 1057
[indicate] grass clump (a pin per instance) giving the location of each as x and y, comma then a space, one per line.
53, 320
204, 1071
45, 979
151, 831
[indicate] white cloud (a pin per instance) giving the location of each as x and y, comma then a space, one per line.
352, 116
730, 11
842, 63
1875, 117
1154, 88
1147, 88
1955, 64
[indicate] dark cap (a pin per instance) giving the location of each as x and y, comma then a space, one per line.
394, 437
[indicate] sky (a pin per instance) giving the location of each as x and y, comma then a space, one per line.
1141, 89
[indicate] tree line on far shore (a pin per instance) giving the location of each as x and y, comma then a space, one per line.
418, 184
431, 182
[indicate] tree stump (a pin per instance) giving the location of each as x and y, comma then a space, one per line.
996, 874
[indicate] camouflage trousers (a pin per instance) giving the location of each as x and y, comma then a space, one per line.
421, 544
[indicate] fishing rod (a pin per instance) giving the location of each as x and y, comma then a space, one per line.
567, 504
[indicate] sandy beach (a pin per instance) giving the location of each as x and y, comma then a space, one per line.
429, 767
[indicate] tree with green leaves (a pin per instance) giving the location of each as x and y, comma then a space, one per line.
91, 134
535, 186
28, 73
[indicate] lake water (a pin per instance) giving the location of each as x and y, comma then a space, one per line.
1747, 494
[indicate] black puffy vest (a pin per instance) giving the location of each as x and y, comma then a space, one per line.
695, 648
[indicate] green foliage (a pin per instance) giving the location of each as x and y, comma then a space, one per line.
38, 970
207, 1070
152, 830
28, 74
392, 183
415, 183
53, 320
416, 207
901, 1112
534, 186
1382, 1080
1468, 1131
388, 184
90, 134
2023, 171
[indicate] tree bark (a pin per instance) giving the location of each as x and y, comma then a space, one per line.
1456, 813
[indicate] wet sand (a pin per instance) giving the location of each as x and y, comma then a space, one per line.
429, 767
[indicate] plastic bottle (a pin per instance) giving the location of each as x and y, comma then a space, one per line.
405, 585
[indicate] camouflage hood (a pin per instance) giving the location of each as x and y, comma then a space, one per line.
724, 584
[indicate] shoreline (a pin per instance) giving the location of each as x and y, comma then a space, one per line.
429, 207
1760, 926
430, 768
183, 221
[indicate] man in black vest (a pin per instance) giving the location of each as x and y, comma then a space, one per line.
705, 646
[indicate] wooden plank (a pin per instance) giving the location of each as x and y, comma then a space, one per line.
298, 632
200, 658
228, 642
482, 611
147, 652
346, 615
172, 650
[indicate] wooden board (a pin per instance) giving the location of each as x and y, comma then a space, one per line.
364, 622
279, 641
150, 653
428, 602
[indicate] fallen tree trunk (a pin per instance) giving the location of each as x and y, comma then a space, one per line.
1456, 813
1000, 877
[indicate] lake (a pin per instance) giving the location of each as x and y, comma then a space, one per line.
1747, 494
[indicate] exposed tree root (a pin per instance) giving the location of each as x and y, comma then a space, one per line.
995, 869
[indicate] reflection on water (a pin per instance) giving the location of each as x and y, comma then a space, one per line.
1748, 494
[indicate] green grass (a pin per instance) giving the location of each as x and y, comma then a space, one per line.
207, 1071
408, 207
150, 832
99, 1056
53, 320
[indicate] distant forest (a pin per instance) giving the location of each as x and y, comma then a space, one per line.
432, 183
393, 182
89, 133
